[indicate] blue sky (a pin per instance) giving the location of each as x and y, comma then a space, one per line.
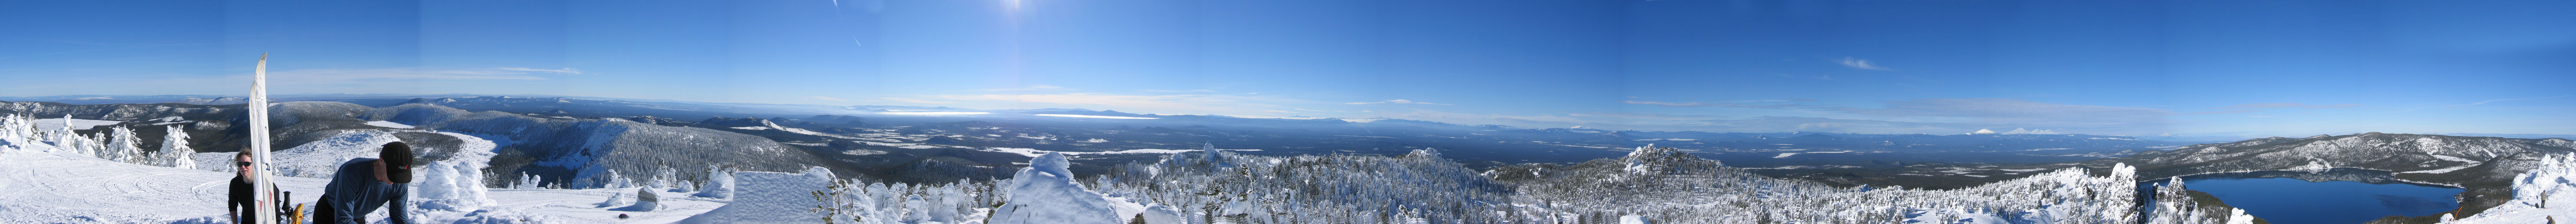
2253, 68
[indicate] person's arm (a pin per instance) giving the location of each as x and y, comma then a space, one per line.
402, 196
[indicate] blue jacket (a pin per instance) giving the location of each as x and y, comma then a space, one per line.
354, 192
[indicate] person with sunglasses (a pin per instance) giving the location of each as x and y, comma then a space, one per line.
242, 204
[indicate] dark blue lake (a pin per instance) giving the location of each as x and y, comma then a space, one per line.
2342, 196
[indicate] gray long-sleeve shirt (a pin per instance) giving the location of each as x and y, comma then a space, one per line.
354, 191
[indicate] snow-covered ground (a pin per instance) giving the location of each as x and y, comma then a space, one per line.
388, 124
80, 124
2551, 184
62, 187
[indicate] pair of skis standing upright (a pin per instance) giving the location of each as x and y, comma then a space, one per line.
260, 169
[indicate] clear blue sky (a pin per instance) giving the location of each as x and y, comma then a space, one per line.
2286, 68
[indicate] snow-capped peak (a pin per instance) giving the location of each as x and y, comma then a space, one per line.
1638, 159
1983, 132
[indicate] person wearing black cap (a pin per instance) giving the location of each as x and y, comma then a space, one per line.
364, 185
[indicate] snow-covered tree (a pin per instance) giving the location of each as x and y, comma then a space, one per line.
1046, 192
122, 147
719, 184
16, 131
174, 150
528, 181
71, 141
662, 178
617, 181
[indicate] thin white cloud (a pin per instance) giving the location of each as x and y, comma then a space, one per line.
1174, 104
1721, 104
1862, 64
1397, 101
1030, 87
825, 98
2024, 113
1175, 91
561, 70
911, 100
405, 76
1646, 116
2494, 100
2286, 105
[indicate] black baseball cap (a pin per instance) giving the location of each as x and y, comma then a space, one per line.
397, 158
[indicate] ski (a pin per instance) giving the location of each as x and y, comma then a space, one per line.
259, 145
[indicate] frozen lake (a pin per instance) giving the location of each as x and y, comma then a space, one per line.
2341, 196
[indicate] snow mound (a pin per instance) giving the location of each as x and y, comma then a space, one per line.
720, 184
2547, 191
1046, 192
770, 197
1633, 219
645, 201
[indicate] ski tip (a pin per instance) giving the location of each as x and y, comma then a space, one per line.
263, 56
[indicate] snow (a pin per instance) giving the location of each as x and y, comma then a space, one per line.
770, 197
2551, 183
101, 191
77, 124
2443, 170
388, 124
1953, 216
1804, 153
1045, 192
1633, 219
1786, 155
1093, 116
1156, 213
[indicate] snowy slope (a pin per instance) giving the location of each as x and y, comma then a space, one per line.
69, 188
60, 187
77, 124
2555, 178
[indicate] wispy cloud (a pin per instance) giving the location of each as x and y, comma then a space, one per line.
2223, 112
2513, 99
409, 75
1161, 104
1030, 87
1862, 64
912, 100
2004, 112
1719, 104
1397, 101
1175, 91
2285, 105
561, 70
825, 98
1646, 116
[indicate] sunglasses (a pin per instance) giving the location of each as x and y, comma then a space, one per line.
240, 163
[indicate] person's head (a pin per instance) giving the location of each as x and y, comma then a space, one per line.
241, 163
397, 162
